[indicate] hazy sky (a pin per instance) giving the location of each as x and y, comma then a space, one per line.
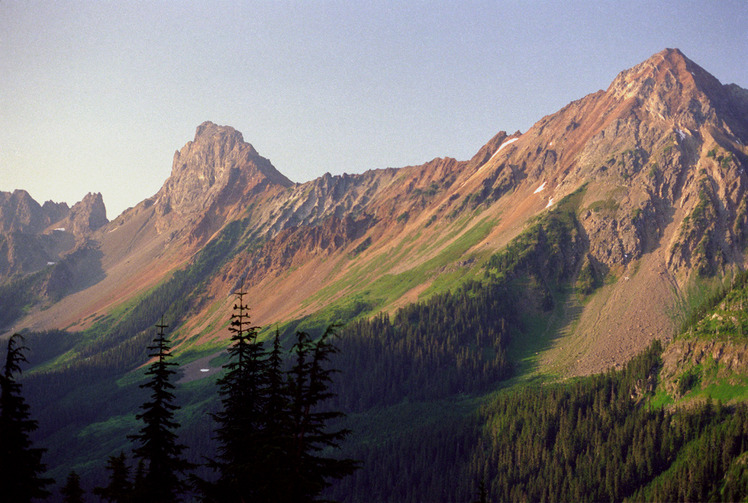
96, 96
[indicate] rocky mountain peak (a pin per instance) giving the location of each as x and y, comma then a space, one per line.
55, 211
19, 212
87, 215
671, 87
209, 133
216, 163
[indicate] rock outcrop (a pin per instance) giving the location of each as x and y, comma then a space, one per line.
213, 178
34, 236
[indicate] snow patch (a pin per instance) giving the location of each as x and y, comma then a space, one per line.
204, 370
550, 203
51, 263
539, 189
681, 134
61, 229
507, 142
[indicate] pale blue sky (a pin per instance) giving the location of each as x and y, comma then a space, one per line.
96, 96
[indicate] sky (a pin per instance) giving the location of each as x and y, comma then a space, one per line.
97, 96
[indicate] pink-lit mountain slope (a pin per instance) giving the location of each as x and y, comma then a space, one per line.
657, 162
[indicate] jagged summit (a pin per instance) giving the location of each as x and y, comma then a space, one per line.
673, 88
87, 215
208, 132
217, 165
667, 68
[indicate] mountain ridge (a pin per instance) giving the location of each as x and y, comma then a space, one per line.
663, 142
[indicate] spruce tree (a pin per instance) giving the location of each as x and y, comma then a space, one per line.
309, 382
272, 426
276, 433
119, 489
241, 420
72, 492
158, 450
21, 468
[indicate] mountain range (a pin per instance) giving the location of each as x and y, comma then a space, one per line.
660, 155
646, 181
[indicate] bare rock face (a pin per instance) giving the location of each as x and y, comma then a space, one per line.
218, 167
19, 212
213, 178
55, 211
665, 141
33, 237
87, 215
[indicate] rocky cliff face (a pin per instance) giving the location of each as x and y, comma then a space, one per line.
665, 138
86, 216
217, 167
213, 178
19, 212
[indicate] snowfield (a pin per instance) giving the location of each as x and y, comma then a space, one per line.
508, 142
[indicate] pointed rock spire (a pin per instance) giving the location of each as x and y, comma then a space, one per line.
217, 163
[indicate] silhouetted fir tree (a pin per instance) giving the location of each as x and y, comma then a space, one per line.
119, 489
241, 420
138, 485
158, 450
72, 492
21, 468
276, 433
308, 384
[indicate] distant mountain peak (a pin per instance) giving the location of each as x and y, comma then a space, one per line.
209, 132
218, 163
87, 215
667, 83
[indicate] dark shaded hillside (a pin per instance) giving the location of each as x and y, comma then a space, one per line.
591, 440
454, 343
419, 388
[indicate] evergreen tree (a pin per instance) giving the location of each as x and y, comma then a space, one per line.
72, 491
158, 450
276, 434
119, 489
21, 468
241, 420
272, 429
308, 390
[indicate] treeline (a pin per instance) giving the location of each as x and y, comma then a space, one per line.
713, 466
457, 342
733, 295
453, 343
590, 440
596, 440
550, 249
